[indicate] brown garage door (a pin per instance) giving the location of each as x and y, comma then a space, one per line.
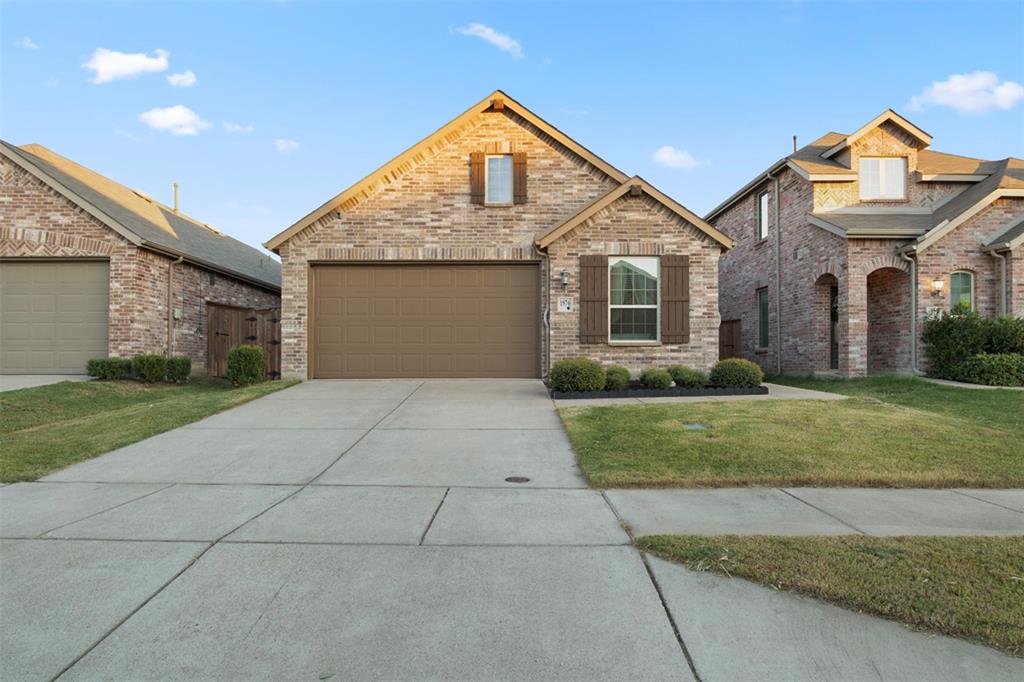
53, 315
439, 320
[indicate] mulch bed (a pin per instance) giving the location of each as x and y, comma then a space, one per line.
640, 392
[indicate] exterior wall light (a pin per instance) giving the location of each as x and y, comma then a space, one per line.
937, 285
565, 279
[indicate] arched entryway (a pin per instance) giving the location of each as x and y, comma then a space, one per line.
826, 323
888, 318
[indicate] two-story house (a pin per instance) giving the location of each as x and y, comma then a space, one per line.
492, 248
846, 246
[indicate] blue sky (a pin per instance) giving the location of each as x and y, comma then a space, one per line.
317, 95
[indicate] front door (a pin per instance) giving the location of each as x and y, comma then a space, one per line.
833, 328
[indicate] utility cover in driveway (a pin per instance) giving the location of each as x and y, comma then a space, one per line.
429, 320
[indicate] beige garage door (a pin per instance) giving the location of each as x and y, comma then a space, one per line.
53, 315
442, 320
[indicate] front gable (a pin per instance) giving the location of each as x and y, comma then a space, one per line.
429, 184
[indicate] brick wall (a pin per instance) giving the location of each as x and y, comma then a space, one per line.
637, 226
36, 221
425, 213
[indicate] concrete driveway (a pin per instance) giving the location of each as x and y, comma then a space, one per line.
369, 530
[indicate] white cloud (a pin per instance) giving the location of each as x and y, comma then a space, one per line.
970, 93
110, 65
285, 146
26, 43
502, 41
674, 158
238, 128
177, 120
182, 80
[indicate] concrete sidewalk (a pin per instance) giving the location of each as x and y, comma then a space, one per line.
820, 511
15, 382
399, 530
775, 392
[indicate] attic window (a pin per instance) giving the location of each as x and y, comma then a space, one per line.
499, 179
883, 178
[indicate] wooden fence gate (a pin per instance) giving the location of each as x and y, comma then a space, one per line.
729, 339
227, 327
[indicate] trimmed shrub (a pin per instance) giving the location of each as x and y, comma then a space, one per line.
955, 338
150, 368
736, 373
616, 378
1006, 335
655, 378
993, 369
578, 374
952, 338
247, 365
686, 377
179, 370
109, 369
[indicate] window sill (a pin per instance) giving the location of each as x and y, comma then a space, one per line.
762, 351
634, 343
904, 200
489, 205
761, 241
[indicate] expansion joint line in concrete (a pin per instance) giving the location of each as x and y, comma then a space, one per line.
657, 590
816, 508
217, 541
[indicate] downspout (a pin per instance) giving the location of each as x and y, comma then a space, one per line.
1002, 280
170, 309
913, 311
545, 315
778, 274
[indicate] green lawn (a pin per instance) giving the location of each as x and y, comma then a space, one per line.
964, 587
895, 432
51, 427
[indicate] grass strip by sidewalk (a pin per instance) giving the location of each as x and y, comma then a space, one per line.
971, 588
48, 428
854, 442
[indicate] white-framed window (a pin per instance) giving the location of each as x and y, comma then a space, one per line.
762, 317
762, 215
961, 289
498, 179
632, 299
883, 178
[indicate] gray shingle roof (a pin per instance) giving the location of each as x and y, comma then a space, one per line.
899, 224
154, 224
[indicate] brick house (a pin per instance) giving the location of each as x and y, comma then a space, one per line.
492, 248
91, 268
847, 245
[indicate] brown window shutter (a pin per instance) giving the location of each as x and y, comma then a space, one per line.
675, 299
476, 178
593, 299
519, 178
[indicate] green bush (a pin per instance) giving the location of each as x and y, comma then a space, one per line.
179, 369
579, 374
736, 373
247, 365
616, 378
686, 377
655, 378
1006, 335
993, 369
955, 338
109, 369
150, 368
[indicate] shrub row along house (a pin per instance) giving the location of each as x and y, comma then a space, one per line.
90, 268
492, 248
846, 246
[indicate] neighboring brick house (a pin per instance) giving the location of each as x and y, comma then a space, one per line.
91, 268
838, 242
494, 247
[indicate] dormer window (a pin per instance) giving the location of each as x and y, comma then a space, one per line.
883, 178
499, 179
